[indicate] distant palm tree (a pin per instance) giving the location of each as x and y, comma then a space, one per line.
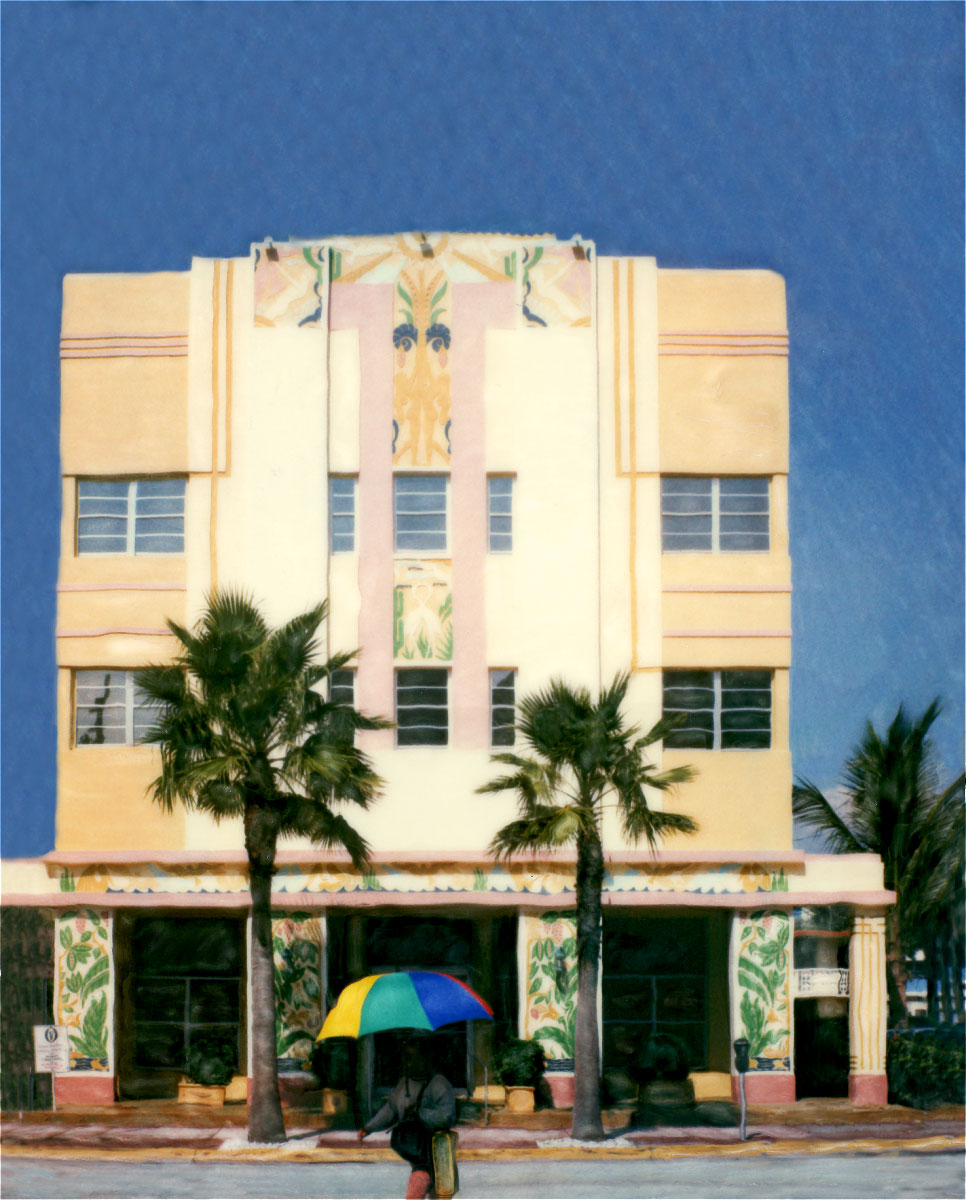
584, 754
893, 807
244, 733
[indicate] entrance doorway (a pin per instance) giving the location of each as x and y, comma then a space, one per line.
178, 978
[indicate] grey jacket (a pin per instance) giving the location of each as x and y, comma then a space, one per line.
437, 1108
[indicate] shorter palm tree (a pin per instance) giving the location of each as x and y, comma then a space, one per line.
892, 806
583, 754
244, 733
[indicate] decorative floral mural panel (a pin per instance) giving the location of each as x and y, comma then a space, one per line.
422, 340
556, 285
290, 286
533, 878
551, 966
763, 992
84, 986
422, 616
297, 944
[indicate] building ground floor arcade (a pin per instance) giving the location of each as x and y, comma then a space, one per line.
144, 954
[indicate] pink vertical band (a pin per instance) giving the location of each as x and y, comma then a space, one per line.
368, 308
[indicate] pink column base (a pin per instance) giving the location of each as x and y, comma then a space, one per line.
84, 1089
766, 1087
561, 1085
868, 1089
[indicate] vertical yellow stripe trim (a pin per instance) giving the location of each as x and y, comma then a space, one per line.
213, 513
229, 356
632, 438
617, 370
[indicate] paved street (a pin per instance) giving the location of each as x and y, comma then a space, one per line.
844, 1178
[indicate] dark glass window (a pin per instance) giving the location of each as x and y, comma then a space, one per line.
420, 512
502, 701
724, 710
422, 707
704, 514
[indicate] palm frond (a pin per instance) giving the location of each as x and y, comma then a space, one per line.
638, 820
305, 817
815, 812
546, 827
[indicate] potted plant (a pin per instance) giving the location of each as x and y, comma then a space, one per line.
518, 1065
210, 1066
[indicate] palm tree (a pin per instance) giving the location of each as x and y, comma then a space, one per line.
892, 807
243, 733
583, 754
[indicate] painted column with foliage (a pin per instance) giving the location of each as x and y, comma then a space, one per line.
761, 1000
868, 1009
298, 941
549, 1005
84, 1002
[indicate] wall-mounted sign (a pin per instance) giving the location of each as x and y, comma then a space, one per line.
51, 1049
822, 981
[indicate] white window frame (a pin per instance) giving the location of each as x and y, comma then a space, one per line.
400, 672
715, 513
129, 705
435, 551
130, 516
496, 673
354, 514
491, 514
717, 710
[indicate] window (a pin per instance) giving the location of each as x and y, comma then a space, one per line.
109, 709
419, 512
728, 514
499, 510
726, 710
502, 701
422, 707
130, 516
342, 686
342, 514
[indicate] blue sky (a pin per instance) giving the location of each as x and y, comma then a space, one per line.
823, 141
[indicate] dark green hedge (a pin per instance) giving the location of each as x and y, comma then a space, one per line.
927, 1068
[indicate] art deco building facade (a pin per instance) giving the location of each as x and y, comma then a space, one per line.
501, 459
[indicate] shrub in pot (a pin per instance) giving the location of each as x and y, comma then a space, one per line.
518, 1065
210, 1065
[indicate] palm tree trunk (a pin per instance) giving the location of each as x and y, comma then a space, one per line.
265, 1121
896, 971
590, 879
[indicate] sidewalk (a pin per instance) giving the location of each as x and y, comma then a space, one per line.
133, 1132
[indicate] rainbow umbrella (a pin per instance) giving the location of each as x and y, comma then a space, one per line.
402, 1000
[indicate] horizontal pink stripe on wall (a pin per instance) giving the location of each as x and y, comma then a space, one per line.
88, 633
121, 587
133, 352
727, 588
727, 633
665, 351
128, 337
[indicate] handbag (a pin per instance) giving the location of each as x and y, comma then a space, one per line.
445, 1172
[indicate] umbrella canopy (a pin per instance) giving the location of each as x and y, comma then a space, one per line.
402, 1000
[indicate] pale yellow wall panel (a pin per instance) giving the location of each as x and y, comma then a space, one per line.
720, 300
741, 799
723, 416
726, 570
103, 804
118, 609
730, 611
706, 652
115, 304
116, 650
124, 416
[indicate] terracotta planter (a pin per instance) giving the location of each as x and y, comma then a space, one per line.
199, 1093
519, 1098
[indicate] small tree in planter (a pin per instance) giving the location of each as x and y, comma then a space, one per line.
518, 1065
210, 1065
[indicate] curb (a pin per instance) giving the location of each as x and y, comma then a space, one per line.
927, 1145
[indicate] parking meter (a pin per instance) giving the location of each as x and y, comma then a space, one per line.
742, 1062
